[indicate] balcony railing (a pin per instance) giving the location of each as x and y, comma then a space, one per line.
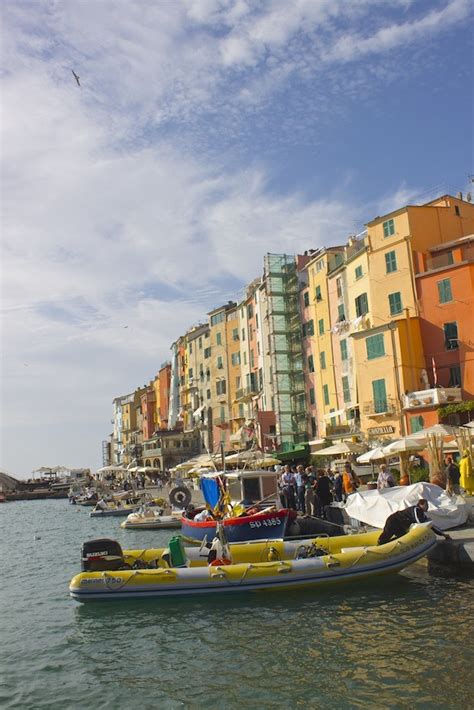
432, 397
379, 408
246, 392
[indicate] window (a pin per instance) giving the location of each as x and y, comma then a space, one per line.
208, 394
250, 311
395, 303
308, 328
235, 358
220, 387
375, 346
457, 211
306, 299
321, 326
190, 348
207, 352
318, 293
455, 376
237, 382
235, 334
326, 394
320, 266
190, 373
322, 360
219, 339
200, 343
252, 359
343, 349
416, 424
310, 363
220, 364
245, 358
361, 305
243, 333
358, 272
314, 431
444, 291
339, 287
256, 321
388, 228
241, 410
208, 374
311, 396
217, 318
390, 262
380, 396
346, 393
451, 336
341, 316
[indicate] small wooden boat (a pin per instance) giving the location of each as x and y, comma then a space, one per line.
109, 573
264, 524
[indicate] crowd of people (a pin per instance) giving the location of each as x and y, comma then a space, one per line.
310, 490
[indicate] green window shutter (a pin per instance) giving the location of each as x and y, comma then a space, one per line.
362, 305
326, 394
390, 262
395, 302
375, 346
321, 326
358, 272
311, 363
341, 315
311, 395
345, 389
306, 299
416, 424
444, 291
380, 395
318, 293
322, 360
388, 228
343, 349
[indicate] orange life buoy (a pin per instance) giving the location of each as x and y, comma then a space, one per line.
220, 562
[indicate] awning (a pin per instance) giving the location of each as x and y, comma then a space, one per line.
337, 413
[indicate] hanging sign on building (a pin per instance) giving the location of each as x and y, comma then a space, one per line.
379, 430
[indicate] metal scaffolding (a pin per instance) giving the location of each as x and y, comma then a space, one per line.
284, 328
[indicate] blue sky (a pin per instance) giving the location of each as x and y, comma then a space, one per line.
204, 134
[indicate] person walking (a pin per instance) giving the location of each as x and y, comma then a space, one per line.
300, 489
287, 488
453, 477
350, 481
308, 491
385, 478
398, 524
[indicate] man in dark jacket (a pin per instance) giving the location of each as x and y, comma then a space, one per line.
397, 524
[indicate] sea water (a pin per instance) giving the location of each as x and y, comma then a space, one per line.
400, 641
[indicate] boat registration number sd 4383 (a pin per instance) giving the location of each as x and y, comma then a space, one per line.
269, 522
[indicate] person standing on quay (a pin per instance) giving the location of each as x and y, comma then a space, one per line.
385, 478
452, 477
467, 476
300, 489
350, 481
287, 488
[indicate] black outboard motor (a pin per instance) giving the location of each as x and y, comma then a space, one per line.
100, 555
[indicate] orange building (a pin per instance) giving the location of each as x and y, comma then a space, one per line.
445, 285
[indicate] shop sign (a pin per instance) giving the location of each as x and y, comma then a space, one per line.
380, 430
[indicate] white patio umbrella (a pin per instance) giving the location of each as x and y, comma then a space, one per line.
253, 458
370, 456
441, 429
402, 448
344, 447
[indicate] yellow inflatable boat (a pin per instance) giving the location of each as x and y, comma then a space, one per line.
273, 564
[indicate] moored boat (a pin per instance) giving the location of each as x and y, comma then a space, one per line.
266, 524
110, 573
152, 519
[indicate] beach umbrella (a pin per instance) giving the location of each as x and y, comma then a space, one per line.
370, 456
344, 447
402, 448
439, 429
253, 458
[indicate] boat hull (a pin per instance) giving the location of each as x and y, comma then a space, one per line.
349, 563
164, 522
115, 513
262, 526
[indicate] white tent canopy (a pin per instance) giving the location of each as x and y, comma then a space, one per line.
441, 429
403, 446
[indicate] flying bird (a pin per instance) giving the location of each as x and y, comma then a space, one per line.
76, 77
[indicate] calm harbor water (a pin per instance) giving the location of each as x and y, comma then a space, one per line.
400, 641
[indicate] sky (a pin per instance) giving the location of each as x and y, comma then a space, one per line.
204, 134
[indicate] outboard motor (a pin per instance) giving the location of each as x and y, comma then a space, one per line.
100, 555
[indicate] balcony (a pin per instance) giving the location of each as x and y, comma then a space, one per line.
380, 408
339, 430
221, 422
246, 393
432, 397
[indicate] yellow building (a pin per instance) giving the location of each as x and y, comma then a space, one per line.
131, 426
219, 398
317, 340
